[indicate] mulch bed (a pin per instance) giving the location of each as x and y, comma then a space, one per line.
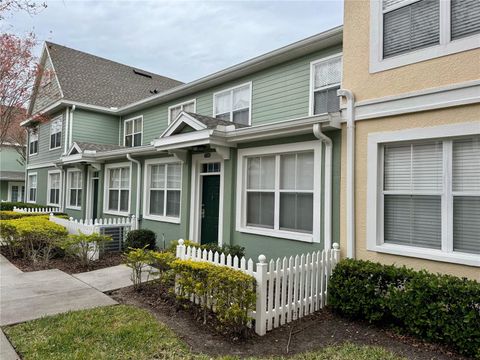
70, 265
310, 333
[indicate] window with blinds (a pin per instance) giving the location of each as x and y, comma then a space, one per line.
416, 203
409, 26
465, 18
327, 76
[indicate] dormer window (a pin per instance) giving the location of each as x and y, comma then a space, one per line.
56, 133
234, 104
133, 129
326, 76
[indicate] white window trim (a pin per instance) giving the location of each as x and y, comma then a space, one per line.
67, 205
106, 183
311, 102
250, 84
374, 190
30, 133
146, 193
133, 128
15, 183
58, 118
27, 195
241, 225
51, 172
182, 104
196, 195
445, 47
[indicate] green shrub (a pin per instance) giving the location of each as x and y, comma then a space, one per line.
137, 260
232, 292
433, 307
35, 237
85, 247
8, 206
233, 250
11, 215
142, 238
161, 263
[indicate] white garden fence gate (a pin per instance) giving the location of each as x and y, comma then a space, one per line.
117, 228
287, 289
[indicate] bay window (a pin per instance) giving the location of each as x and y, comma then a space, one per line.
234, 104
54, 186
117, 194
280, 190
427, 196
163, 184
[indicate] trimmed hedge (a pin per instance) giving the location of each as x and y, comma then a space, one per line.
439, 308
12, 215
8, 206
232, 292
141, 238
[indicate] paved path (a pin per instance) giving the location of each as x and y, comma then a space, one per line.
7, 352
111, 278
31, 295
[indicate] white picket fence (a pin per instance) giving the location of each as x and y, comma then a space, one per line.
287, 289
46, 210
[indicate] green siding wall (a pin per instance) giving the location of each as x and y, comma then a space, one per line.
3, 190
279, 93
94, 127
10, 159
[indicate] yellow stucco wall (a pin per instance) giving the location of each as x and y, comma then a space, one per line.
437, 72
467, 113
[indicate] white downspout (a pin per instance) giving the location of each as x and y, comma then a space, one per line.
350, 115
70, 133
67, 126
317, 131
139, 174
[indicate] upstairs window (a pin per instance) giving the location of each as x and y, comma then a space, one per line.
55, 133
173, 111
408, 31
326, 77
133, 132
33, 142
234, 104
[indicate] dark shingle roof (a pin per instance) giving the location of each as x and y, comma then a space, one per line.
212, 123
97, 81
97, 147
12, 175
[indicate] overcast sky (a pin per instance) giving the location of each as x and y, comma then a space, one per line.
180, 39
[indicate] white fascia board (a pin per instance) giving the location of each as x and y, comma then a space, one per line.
183, 118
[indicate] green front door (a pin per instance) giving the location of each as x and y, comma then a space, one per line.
210, 209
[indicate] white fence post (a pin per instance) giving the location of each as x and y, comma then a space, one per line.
180, 249
261, 310
336, 253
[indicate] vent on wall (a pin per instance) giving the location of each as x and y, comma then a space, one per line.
141, 73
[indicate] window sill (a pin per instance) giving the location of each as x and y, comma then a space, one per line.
31, 201
73, 207
118, 213
428, 254
56, 148
162, 219
53, 205
33, 154
277, 234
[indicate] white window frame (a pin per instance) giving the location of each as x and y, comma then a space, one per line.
29, 186
445, 47
375, 240
106, 192
146, 193
277, 150
52, 172
57, 119
311, 102
20, 185
181, 105
69, 173
132, 119
30, 134
231, 89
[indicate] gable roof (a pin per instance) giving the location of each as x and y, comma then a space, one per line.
80, 147
97, 81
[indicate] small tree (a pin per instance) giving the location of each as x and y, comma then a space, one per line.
85, 247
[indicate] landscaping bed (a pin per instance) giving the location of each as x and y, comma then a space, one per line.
323, 329
70, 265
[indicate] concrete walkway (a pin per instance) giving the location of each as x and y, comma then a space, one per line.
31, 295
7, 352
111, 278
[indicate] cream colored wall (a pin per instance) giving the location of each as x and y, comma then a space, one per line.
454, 115
437, 72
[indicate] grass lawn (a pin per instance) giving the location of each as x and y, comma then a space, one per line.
126, 332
